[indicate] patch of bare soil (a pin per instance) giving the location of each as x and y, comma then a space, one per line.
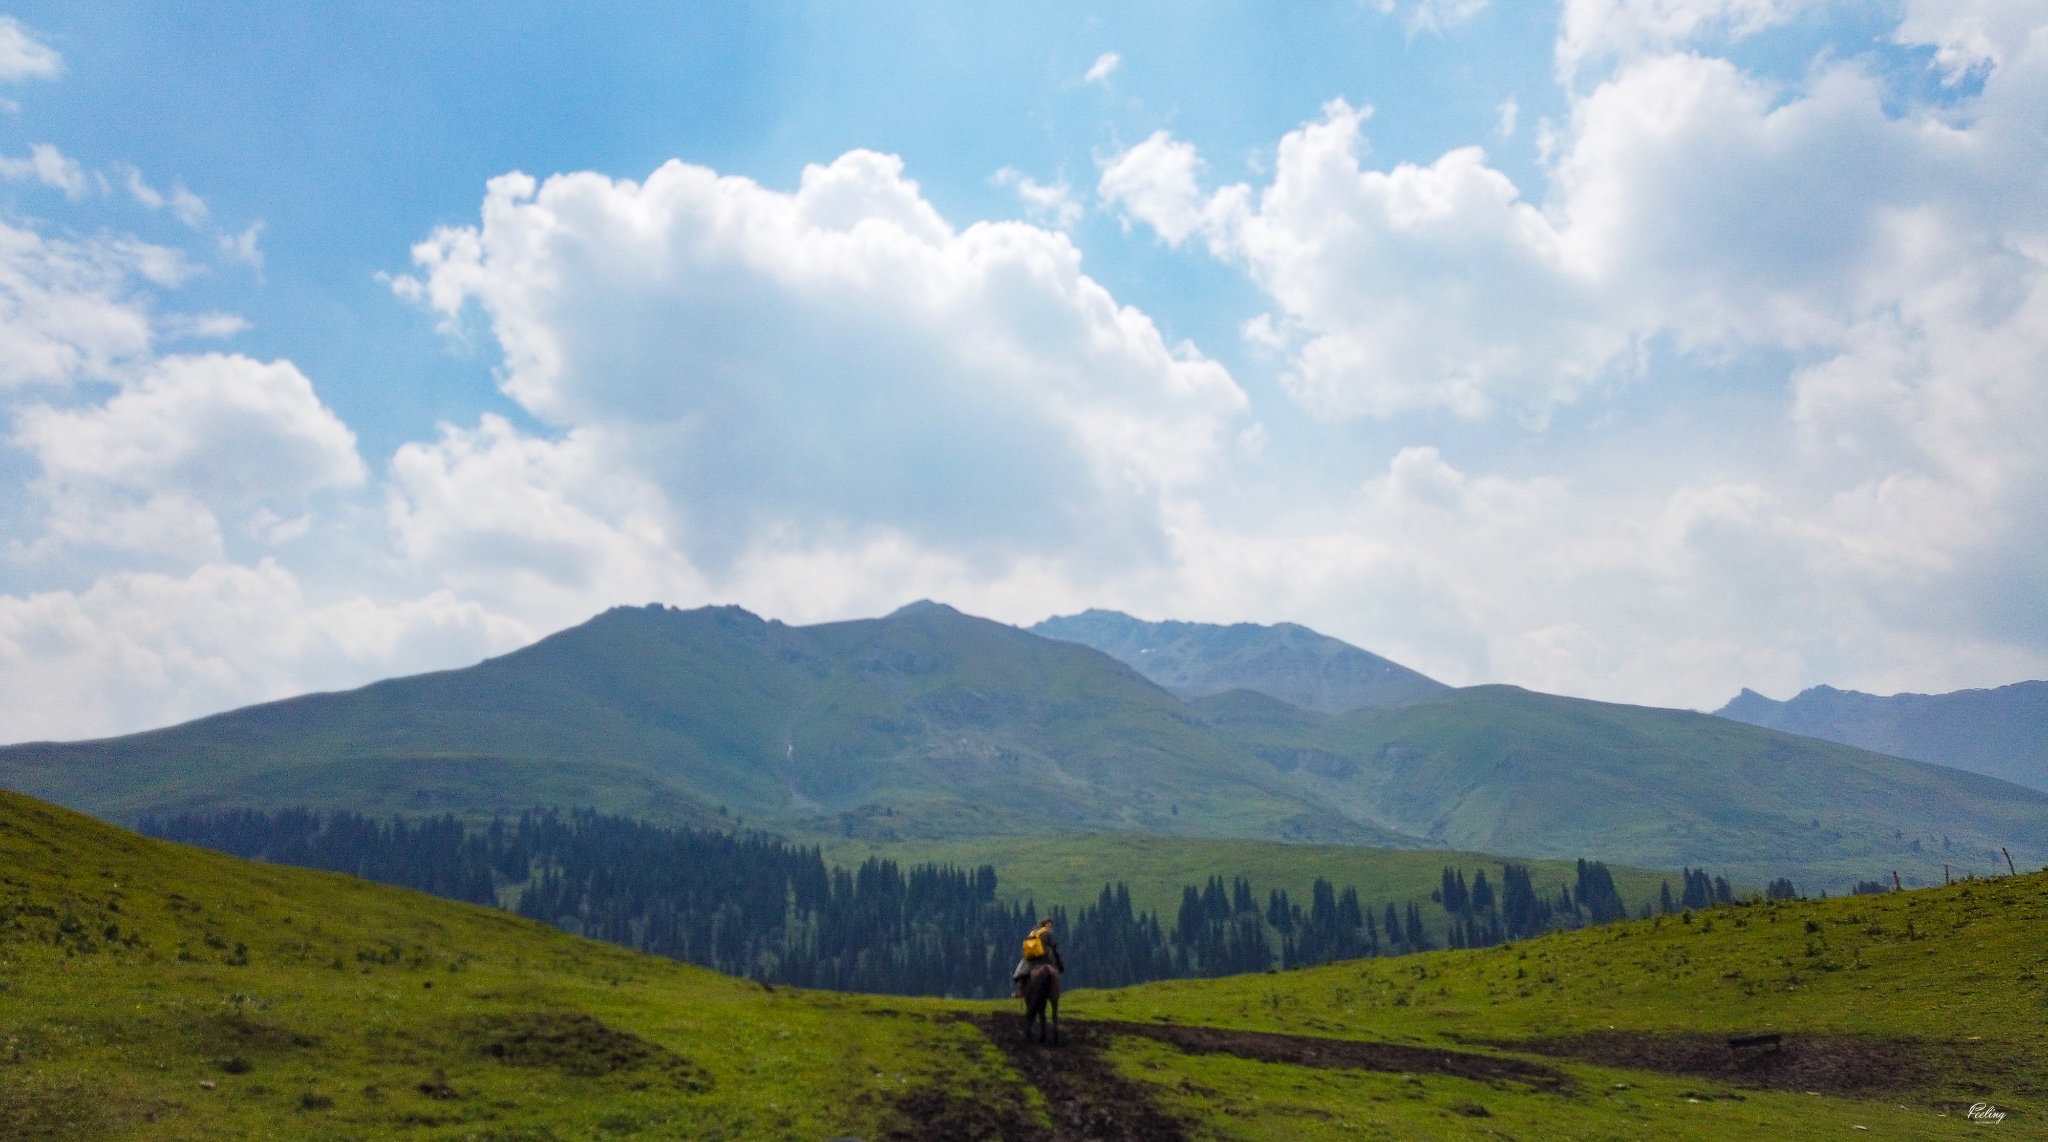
577, 1044
1086, 1098
1829, 1064
934, 1115
1350, 1054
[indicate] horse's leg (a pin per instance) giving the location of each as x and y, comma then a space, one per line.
1055, 1018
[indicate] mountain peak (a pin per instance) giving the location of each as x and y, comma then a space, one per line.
1285, 661
2001, 733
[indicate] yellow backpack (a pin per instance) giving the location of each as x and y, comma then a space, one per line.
1034, 948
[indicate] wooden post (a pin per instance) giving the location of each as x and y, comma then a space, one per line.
1896, 886
2008, 861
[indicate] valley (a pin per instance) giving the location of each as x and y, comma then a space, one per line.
150, 990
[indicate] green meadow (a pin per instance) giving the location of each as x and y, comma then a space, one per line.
149, 990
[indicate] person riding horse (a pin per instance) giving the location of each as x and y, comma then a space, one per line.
1039, 947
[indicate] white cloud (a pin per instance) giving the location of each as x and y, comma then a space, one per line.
245, 247
1884, 530
202, 325
140, 190
1440, 16
540, 528
151, 470
1053, 203
68, 310
1403, 289
51, 167
1510, 110
138, 650
1623, 30
1105, 65
1158, 182
835, 361
189, 208
22, 57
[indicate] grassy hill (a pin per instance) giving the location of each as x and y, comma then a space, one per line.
152, 991
1899, 1012
930, 725
942, 723
1500, 769
2000, 733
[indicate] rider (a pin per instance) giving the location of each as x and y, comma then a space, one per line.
1048, 949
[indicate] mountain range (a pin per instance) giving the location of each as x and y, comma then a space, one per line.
1284, 661
2002, 733
929, 723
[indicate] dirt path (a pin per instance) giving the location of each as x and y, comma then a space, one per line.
1829, 1064
1086, 1098
1090, 1102
1350, 1054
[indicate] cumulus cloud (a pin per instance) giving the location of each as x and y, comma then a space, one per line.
1594, 30
1105, 65
1401, 289
70, 310
834, 360
152, 469
22, 57
138, 650
541, 528
1890, 265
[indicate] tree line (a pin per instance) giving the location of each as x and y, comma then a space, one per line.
753, 905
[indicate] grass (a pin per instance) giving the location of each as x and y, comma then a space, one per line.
1952, 976
150, 990
153, 991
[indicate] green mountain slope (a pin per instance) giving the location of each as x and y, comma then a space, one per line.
1898, 1013
929, 725
924, 723
152, 991
1500, 769
2000, 733
1284, 661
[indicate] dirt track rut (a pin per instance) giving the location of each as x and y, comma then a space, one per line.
1089, 1101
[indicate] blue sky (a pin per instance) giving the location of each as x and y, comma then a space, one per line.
1640, 349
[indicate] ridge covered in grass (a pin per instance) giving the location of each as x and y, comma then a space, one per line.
932, 725
151, 990
154, 991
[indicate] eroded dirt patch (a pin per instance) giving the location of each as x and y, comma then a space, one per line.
1087, 1100
933, 1115
577, 1044
1349, 1054
1828, 1064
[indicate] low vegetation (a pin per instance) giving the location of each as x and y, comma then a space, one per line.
755, 906
148, 990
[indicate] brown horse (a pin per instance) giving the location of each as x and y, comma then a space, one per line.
1042, 996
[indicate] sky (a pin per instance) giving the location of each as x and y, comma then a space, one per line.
1641, 350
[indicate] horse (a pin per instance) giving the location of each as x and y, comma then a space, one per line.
1042, 994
